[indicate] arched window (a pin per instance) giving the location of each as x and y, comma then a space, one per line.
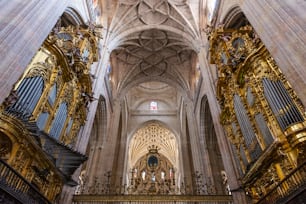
212, 7
153, 105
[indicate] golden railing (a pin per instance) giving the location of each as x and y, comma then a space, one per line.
15, 189
291, 186
144, 199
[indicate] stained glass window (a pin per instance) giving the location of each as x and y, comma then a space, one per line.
153, 105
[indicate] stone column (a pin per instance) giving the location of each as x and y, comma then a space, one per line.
104, 156
186, 155
227, 157
86, 133
281, 26
109, 152
208, 174
193, 129
24, 25
119, 153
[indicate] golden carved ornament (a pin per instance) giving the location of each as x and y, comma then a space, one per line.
243, 62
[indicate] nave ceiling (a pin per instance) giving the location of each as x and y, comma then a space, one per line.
153, 46
154, 40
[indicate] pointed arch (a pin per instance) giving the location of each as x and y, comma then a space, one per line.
210, 148
155, 133
101, 120
235, 18
96, 140
72, 17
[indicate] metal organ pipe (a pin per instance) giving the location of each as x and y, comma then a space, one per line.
284, 103
264, 128
273, 102
59, 120
36, 95
292, 109
29, 93
246, 127
279, 99
242, 117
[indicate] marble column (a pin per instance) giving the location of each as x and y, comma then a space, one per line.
281, 26
24, 25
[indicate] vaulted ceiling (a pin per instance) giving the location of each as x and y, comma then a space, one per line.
153, 47
153, 134
154, 40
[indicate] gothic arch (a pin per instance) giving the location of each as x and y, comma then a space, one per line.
147, 101
235, 18
120, 38
203, 118
71, 17
96, 140
150, 133
101, 119
210, 147
132, 132
168, 80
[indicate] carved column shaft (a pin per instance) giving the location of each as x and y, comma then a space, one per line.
108, 152
280, 26
194, 138
24, 26
186, 156
121, 158
227, 156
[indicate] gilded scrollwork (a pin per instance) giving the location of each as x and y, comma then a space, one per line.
62, 65
152, 174
6, 146
247, 77
19, 160
264, 184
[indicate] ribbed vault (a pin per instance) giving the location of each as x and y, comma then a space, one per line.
153, 134
154, 40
